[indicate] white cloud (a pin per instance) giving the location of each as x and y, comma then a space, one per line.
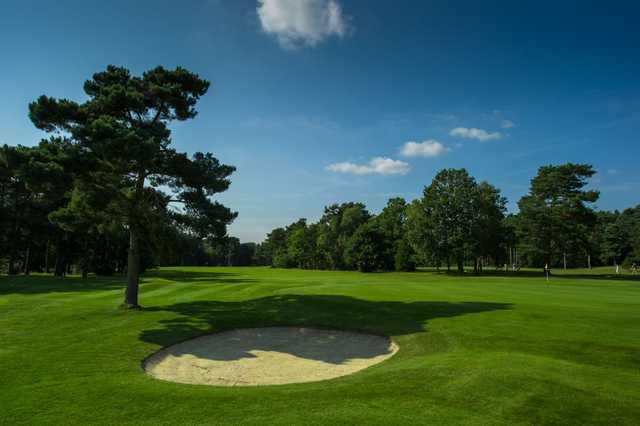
377, 165
507, 124
473, 133
301, 22
504, 122
428, 148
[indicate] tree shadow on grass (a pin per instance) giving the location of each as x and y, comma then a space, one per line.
36, 284
197, 276
330, 312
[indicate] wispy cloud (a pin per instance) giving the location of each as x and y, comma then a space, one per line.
428, 148
502, 120
297, 23
507, 124
474, 133
377, 165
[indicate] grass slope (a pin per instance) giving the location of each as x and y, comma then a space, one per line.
473, 350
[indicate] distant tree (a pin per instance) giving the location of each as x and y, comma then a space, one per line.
556, 211
488, 228
597, 238
260, 257
291, 242
19, 206
404, 256
367, 248
42, 227
231, 247
54, 164
32, 185
631, 221
420, 234
301, 246
123, 133
335, 228
515, 249
273, 245
110, 249
392, 220
244, 254
451, 205
455, 220
621, 237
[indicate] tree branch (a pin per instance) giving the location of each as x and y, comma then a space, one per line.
157, 116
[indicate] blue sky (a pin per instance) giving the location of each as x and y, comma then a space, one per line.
314, 101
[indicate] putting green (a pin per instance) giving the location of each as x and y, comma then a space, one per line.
269, 356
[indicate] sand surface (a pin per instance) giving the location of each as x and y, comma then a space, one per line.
268, 356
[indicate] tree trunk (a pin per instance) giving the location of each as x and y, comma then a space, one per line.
133, 270
564, 260
133, 257
511, 256
61, 261
26, 261
85, 266
11, 271
60, 266
46, 257
85, 260
589, 261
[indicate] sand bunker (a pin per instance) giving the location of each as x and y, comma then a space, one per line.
268, 356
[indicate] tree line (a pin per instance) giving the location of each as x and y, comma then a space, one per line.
459, 222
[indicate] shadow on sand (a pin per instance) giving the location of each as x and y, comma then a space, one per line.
330, 346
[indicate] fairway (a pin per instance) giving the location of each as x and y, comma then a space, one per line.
473, 350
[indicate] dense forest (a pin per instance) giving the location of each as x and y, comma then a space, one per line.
107, 194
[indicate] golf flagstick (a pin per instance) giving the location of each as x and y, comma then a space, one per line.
546, 271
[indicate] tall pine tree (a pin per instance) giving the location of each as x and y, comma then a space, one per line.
127, 167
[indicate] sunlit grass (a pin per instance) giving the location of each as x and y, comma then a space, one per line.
494, 348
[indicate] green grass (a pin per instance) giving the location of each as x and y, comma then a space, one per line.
494, 349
